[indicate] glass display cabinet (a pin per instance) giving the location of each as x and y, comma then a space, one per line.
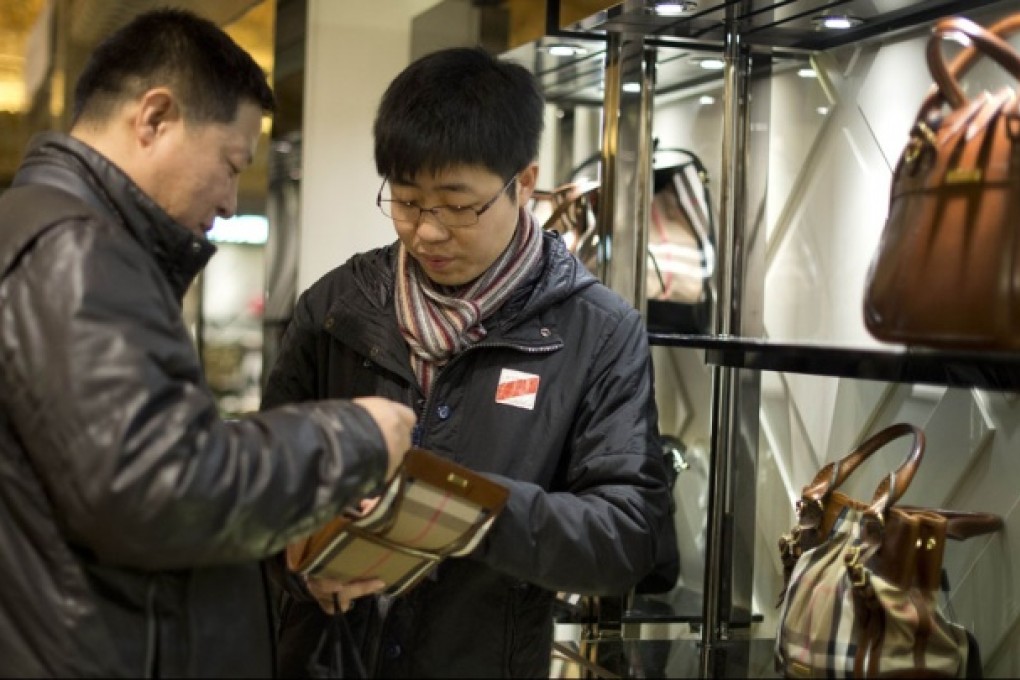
798, 111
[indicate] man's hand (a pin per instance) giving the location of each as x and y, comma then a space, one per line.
396, 422
329, 592
365, 506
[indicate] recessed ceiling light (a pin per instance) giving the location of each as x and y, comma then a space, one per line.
836, 22
823, 110
673, 8
706, 99
632, 87
565, 50
807, 72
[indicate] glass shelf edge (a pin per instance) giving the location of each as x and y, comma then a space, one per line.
993, 370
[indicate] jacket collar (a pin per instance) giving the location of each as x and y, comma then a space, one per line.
179, 253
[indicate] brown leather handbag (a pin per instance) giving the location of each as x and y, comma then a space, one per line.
947, 269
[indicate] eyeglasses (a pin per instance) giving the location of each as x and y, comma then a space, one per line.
447, 215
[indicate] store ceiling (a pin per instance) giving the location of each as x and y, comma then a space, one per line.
92, 20
789, 24
16, 20
788, 29
249, 22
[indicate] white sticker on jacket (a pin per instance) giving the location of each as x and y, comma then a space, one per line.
517, 389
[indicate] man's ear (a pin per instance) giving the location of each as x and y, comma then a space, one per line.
157, 110
527, 180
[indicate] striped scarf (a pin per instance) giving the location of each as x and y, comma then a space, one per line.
437, 324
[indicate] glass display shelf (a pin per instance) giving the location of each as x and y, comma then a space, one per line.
994, 370
680, 605
673, 658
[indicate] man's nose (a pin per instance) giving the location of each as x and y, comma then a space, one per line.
429, 228
228, 207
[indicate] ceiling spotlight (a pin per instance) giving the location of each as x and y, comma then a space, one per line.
565, 50
822, 110
706, 100
836, 22
673, 8
807, 73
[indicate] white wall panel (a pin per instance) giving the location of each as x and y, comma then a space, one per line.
353, 49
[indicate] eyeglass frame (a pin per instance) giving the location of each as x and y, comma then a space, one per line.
432, 211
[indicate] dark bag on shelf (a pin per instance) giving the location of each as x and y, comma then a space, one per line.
860, 578
947, 269
681, 238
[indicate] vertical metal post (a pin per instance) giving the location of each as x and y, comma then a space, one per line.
725, 418
283, 208
609, 150
624, 200
645, 169
722, 427
626, 165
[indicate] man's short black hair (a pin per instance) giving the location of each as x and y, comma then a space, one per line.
202, 65
459, 106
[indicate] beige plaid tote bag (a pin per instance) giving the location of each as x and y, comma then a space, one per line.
861, 578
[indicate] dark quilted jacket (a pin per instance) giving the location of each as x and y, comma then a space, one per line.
588, 493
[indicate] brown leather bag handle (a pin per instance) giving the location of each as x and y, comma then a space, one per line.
889, 491
985, 42
567, 205
561, 193
961, 525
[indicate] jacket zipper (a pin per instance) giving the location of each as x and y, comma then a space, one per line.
418, 438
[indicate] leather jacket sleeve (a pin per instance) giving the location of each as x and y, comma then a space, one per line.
600, 534
288, 382
108, 400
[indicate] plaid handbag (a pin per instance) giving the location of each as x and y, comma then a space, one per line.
679, 279
860, 578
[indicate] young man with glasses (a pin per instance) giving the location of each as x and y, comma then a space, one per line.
518, 363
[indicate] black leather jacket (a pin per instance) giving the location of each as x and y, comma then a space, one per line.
588, 492
132, 517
